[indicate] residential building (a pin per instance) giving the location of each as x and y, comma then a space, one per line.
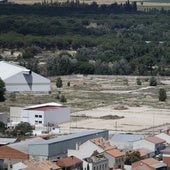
6, 141
70, 163
57, 147
151, 143
35, 165
19, 79
149, 164
166, 156
116, 158
125, 141
87, 148
96, 162
165, 137
17, 152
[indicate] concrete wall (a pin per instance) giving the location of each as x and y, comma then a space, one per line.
3, 117
15, 114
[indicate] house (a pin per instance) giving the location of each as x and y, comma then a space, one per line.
125, 141
42, 114
116, 158
151, 143
87, 148
165, 137
57, 147
166, 156
96, 162
6, 141
19, 79
34, 165
17, 152
70, 163
149, 164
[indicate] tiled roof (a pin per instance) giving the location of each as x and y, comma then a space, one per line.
40, 165
115, 152
68, 161
153, 163
142, 153
101, 142
154, 139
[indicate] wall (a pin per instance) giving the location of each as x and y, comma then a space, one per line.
15, 114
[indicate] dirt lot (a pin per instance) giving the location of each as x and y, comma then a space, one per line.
118, 96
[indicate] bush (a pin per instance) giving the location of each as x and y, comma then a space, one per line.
59, 82
63, 99
162, 95
153, 81
138, 82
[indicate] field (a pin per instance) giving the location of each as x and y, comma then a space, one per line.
115, 103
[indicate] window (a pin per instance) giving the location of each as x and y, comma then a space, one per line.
40, 121
40, 116
36, 115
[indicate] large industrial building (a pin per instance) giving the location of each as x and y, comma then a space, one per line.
18, 79
56, 147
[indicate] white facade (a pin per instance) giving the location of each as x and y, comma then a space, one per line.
46, 114
18, 79
144, 144
85, 150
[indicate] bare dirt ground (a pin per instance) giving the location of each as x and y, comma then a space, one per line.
119, 96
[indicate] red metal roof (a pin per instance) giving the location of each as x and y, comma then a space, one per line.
44, 108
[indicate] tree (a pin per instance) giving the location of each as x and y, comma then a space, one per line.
59, 82
22, 129
2, 90
63, 99
132, 157
2, 126
153, 81
162, 94
138, 82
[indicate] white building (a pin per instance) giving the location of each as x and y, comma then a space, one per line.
18, 79
42, 114
153, 143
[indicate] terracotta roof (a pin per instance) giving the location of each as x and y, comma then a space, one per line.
68, 161
150, 161
101, 142
115, 152
155, 140
40, 165
142, 153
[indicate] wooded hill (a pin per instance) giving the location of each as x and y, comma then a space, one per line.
109, 39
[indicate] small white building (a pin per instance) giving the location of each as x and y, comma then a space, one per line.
42, 114
19, 79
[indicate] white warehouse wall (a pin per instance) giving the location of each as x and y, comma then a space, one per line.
56, 116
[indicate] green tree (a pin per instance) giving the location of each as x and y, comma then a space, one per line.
132, 157
2, 90
22, 129
162, 94
2, 126
153, 81
138, 82
59, 82
63, 99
